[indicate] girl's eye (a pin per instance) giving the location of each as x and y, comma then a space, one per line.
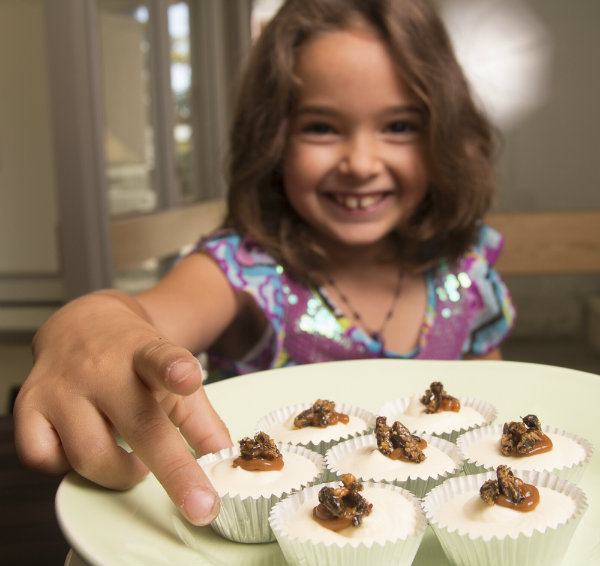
402, 127
318, 128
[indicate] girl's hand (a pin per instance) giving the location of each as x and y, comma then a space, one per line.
101, 368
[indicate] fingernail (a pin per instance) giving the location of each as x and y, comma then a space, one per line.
180, 371
200, 506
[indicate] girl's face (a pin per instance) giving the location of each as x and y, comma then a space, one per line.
355, 164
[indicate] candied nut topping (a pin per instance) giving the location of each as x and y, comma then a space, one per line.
509, 491
436, 399
524, 438
322, 414
489, 491
509, 485
261, 446
343, 506
259, 454
397, 442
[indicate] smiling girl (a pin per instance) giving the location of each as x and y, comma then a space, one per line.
359, 175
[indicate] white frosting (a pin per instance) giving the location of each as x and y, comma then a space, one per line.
417, 420
368, 462
393, 517
227, 480
486, 452
287, 432
468, 514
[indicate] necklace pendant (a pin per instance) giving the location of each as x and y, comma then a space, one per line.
377, 337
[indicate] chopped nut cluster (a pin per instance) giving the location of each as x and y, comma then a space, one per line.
321, 415
520, 437
261, 447
506, 484
345, 501
398, 437
436, 399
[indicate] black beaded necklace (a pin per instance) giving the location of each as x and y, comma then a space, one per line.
377, 335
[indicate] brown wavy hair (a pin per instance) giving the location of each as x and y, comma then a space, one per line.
459, 139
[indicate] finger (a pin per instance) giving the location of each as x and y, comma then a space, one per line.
200, 423
37, 443
161, 365
157, 442
90, 446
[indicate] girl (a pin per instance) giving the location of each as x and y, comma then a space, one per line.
359, 175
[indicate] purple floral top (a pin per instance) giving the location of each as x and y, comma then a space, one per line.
469, 310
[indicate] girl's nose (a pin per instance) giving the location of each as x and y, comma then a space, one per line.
360, 159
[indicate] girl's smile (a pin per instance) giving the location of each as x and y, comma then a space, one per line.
355, 165
358, 201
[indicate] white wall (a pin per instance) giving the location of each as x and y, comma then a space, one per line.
28, 216
552, 158
551, 161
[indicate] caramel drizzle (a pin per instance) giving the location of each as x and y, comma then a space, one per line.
327, 520
544, 444
531, 498
336, 418
452, 405
259, 464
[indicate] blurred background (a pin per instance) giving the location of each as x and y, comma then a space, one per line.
113, 125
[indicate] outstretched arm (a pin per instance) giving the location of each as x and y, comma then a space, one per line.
107, 362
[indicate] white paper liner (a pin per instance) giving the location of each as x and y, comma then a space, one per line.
419, 486
297, 552
548, 547
394, 409
246, 519
570, 471
281, 415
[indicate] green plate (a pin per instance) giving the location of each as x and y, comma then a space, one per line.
142, 526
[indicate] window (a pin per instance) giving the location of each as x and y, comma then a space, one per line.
128, 99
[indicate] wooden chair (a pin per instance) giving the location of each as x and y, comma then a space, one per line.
548, 242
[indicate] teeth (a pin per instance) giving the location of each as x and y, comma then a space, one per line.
354, 202
369, 201
351, 202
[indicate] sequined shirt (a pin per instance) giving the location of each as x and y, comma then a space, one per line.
469, 310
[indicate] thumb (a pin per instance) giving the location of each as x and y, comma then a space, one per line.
163, 366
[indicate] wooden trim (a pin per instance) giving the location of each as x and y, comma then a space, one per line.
548, 242
162, 234
31, 288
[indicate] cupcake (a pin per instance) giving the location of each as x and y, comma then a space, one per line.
251, 478
352, 523
316, 426
493, 518
393, 455
438, 413
525, 445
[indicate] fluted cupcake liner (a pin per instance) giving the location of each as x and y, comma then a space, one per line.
417, 485
547, 546
571, 471
395, 409
246, 519
281, 415
299, 551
